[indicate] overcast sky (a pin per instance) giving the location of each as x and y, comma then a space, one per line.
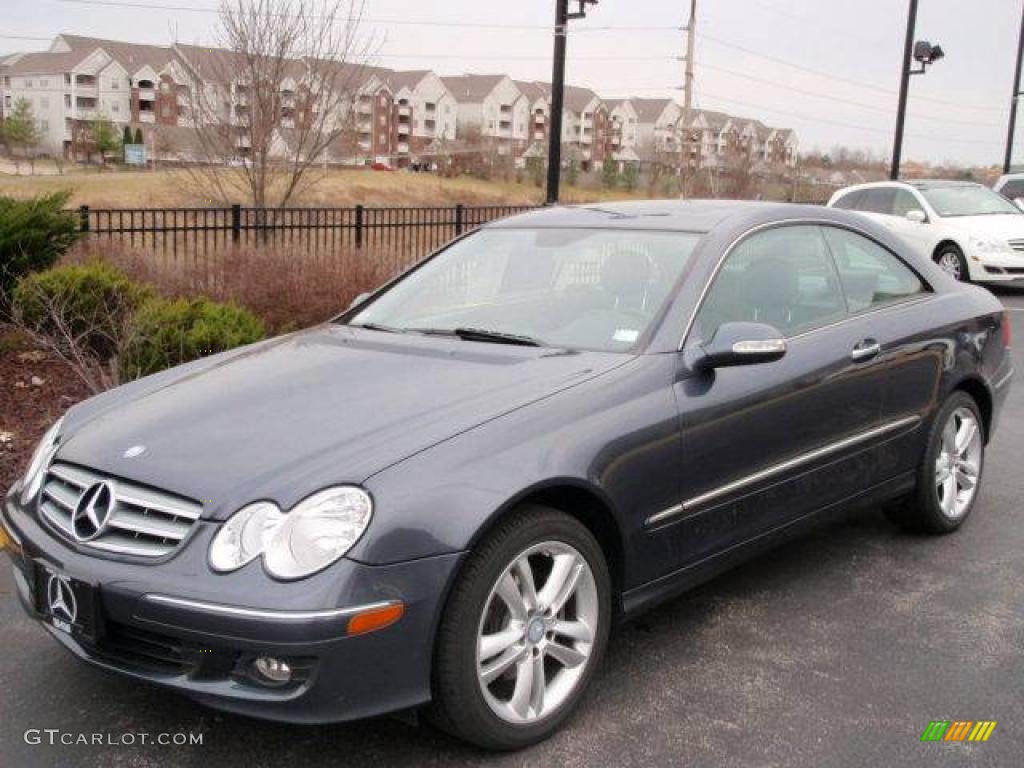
842, 90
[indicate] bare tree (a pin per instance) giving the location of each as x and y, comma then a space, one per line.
267, 106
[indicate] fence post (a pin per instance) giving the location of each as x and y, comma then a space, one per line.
458, 219
236, 222
83, 218
359, 226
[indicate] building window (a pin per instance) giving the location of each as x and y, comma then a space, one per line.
67, 78
28, 83
44, 125
114, 84
44, 102
67, 101
7, 81
115, 107
44, 83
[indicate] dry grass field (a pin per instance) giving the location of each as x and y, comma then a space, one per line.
170, 188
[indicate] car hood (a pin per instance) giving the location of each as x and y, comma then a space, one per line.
282, 419
1009, 226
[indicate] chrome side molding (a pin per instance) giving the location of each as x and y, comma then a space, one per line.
777, 469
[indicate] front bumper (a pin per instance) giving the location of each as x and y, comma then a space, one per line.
997, 267
179, 625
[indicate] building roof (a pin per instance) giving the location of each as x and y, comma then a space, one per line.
534, 90
42, 63
131, 56
472, 88
649, 110
407, 79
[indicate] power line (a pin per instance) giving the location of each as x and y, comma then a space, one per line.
374, 20
25, 37
840, 99
838, 78
843, 124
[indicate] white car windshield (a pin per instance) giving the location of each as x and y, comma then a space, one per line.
967, 201
596, 289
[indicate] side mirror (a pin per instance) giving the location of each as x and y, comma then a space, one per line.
1019, 202
741, 344
359, 300
917, 216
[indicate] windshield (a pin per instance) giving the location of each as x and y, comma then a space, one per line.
967, 201
572, 288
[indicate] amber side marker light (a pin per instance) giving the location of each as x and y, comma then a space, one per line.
4, 541
375, 618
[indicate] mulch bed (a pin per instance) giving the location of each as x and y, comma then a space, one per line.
34, 392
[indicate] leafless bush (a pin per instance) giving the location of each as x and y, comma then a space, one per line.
286, 286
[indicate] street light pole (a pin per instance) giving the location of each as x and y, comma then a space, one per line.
562, 17
1012, 128
557, 100
901, 113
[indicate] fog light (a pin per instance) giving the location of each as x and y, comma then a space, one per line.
272, 671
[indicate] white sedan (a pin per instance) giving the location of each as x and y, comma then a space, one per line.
970, 231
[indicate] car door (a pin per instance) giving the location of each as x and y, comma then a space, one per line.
889, 302
765, 445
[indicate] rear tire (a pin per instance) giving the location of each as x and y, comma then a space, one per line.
533, 600
950, 472
951, 261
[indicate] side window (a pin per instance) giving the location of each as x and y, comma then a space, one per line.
783, 277
878, 200
870, 274
1013, 189
849, 201
904, 202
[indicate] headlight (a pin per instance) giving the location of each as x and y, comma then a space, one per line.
33, 478
986, 245
244, 536
316, 532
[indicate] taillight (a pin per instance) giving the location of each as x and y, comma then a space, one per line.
1007, 330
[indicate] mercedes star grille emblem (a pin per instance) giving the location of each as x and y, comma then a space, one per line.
61, 599
93, 511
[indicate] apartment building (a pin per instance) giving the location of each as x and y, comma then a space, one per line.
493, 106
387, 116
426, 111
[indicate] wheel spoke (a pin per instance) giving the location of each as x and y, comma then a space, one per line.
577, 630
521, 694
949, 436
509, 592
949, 495
491, 672
564, 655
540, 684
941, 473
497, 642
527, 588
561, 583
965, 436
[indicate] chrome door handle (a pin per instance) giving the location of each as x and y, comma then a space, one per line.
865, 350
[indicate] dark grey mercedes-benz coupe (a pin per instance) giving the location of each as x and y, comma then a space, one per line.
446, 497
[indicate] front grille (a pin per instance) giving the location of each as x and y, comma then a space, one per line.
141, 650
143, 522
1017, 245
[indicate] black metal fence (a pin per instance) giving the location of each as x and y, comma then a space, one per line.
406, 233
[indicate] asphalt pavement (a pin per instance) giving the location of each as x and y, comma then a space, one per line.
837, 649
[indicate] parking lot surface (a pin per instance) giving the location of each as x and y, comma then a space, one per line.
837, 649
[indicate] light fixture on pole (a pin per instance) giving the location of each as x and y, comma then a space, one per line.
562, 18
925, 54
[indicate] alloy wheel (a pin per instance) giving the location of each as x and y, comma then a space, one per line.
950, 263
537, 632
958, 464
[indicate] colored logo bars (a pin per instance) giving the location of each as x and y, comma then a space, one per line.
958, 730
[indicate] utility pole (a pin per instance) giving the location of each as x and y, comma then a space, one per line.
562, 17
691, 38
901, 114
1012, 129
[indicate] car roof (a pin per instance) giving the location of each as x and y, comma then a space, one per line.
675, 215
920, 184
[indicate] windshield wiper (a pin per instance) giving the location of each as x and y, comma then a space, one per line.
482, 334
377, 327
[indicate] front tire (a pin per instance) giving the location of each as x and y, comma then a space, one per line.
950, 472
951, 261
523, 631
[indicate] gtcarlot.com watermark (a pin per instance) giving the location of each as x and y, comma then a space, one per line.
57, 737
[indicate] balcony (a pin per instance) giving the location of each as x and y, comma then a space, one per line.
147, 94
147, 117
403, 147
404, 111
403, 129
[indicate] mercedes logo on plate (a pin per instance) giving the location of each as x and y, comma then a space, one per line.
93, 511
61, 599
